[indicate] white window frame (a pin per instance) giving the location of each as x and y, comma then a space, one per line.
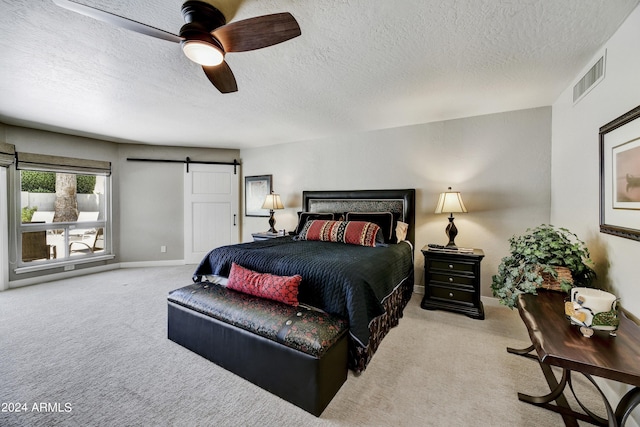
4, 232
63, 259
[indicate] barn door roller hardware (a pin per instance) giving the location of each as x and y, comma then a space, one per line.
188, 161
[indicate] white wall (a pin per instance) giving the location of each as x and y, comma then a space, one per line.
500, 163
152, 201
575, 161
575, 170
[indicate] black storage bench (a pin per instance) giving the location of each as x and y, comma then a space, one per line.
295, 353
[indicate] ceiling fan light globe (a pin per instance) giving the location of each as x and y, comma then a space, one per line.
202, 53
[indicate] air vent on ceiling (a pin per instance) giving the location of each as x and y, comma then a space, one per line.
594, 76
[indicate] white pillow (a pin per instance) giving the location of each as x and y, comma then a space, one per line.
401, 231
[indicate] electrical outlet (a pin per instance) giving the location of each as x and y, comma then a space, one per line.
163, 249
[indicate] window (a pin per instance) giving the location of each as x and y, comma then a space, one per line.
63, 211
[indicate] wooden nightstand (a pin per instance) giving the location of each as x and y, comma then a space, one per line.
452, 281
264, 236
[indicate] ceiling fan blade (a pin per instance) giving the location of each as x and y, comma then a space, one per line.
118, 21
222, 77
258, 32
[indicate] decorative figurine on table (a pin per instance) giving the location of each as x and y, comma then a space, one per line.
593, 310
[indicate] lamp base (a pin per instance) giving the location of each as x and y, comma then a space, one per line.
272, 223
451, 232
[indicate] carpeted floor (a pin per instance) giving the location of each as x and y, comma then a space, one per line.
92, 351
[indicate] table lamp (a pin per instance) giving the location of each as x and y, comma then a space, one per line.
271, 202
450, 202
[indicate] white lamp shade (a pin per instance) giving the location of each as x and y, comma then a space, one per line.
450, 202
272, 202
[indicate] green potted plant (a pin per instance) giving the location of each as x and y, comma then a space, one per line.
537, 258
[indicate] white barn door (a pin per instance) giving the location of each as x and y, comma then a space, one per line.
211, 204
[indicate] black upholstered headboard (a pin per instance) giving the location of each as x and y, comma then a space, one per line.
401, 202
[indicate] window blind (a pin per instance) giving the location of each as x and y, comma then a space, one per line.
7, 154
46, 163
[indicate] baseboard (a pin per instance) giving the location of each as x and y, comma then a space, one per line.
491, 301
139, 264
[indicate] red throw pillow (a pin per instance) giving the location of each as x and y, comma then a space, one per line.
351, 232
264, 285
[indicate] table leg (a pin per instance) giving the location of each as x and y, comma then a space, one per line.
561, 405
569, 416
628, 402
611, 419
526, 352
555, 393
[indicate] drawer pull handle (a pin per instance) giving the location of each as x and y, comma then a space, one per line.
450, 294
450, 265
451, 279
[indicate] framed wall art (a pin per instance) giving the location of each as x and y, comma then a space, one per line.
620, 176
256, 189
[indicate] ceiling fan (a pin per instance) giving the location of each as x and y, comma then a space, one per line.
206, 37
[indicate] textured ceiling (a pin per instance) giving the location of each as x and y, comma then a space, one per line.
359, 65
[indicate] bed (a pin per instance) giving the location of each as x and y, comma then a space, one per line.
368, 286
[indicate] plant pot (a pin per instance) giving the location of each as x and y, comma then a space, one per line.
553, 284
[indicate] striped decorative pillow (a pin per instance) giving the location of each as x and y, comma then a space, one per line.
351, 232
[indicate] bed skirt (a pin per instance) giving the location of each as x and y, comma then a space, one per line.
394, 305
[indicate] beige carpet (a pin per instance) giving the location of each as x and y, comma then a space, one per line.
94, 351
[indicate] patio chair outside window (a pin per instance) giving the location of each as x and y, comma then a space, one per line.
93, 244
43, 216
34, 246
83, 217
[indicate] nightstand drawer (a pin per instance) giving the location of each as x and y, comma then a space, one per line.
447, 265
453, 279
451, 294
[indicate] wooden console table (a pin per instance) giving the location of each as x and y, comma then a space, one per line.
558, 343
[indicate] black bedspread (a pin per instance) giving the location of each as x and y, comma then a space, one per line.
347, 280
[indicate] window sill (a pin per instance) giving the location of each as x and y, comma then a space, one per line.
61, 264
